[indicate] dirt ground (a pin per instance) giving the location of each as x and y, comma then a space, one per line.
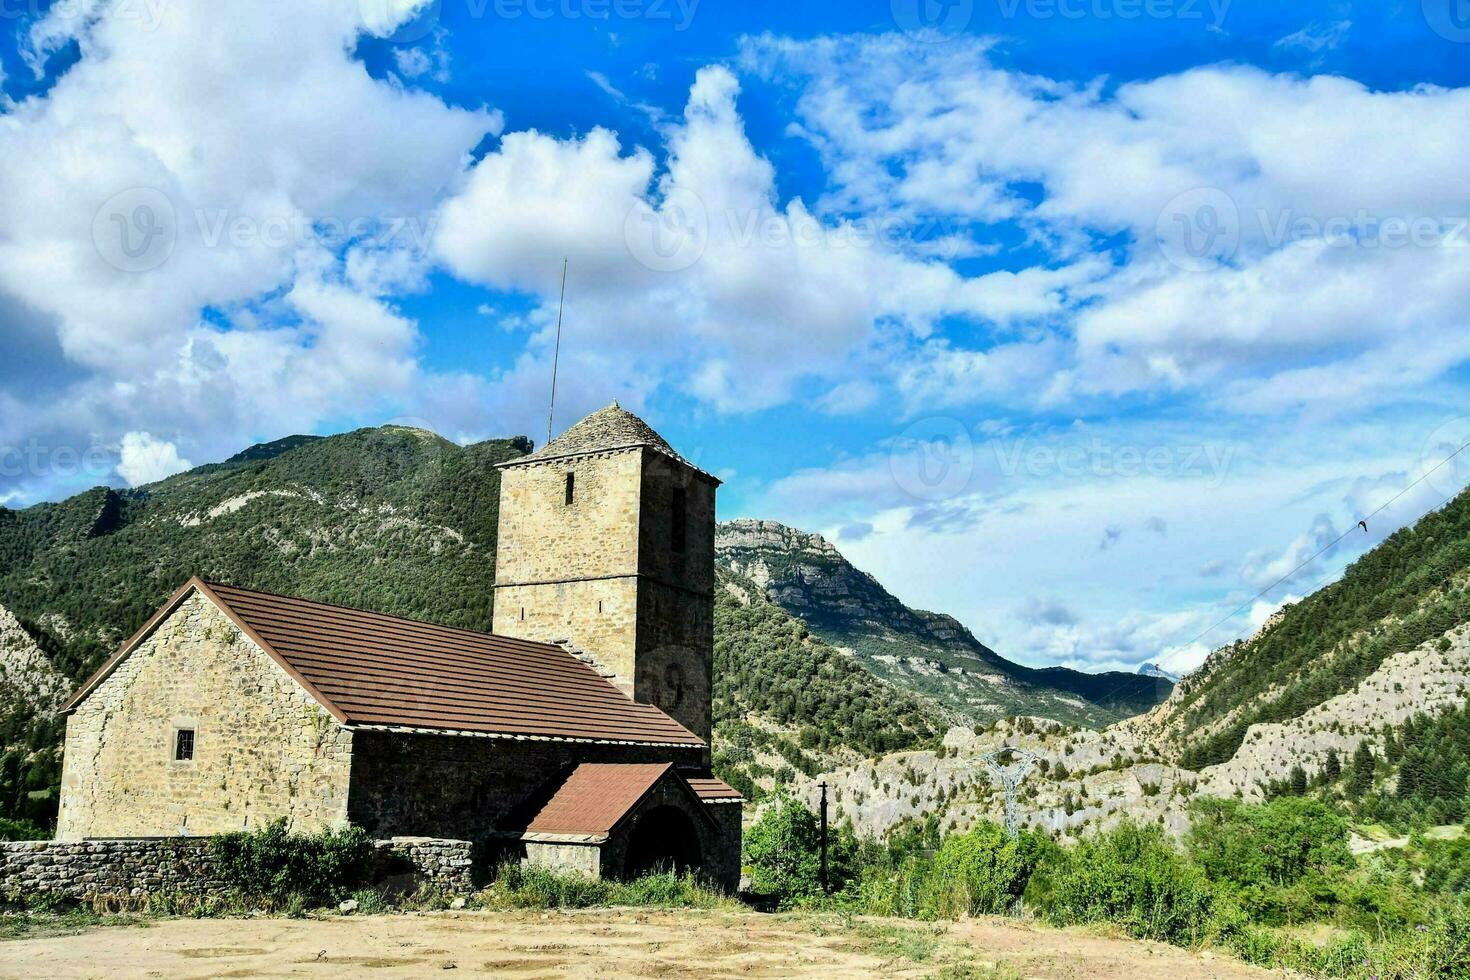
629, 943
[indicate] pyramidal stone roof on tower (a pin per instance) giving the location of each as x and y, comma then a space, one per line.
605, 430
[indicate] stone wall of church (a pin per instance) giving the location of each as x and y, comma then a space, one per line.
676, 628
568, 571
462, 787
263, 748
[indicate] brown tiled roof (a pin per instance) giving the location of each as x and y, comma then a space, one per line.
377, 671
712, 790
595, 797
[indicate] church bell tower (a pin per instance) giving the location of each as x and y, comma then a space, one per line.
607, 545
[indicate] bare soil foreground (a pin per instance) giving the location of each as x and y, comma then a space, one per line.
629, 943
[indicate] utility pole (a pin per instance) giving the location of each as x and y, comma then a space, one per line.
826, 888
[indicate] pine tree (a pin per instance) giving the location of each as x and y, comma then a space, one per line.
1298, 781
1332, 768
1362, 777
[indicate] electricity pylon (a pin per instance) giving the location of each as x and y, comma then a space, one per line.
1010, 777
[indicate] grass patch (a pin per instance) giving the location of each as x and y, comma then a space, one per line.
517, 887
39, 925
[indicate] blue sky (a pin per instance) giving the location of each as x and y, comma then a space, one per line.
1083, 320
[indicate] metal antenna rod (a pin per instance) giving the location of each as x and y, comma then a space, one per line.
556, 358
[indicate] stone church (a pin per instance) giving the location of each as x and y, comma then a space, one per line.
574, 737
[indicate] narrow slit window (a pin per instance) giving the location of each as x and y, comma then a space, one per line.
183, 745
571, 488
680, 518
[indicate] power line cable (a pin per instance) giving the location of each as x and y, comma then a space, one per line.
1264, 592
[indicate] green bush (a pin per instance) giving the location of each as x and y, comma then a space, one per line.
1134, 877
982, 872
520, 887
272, 864
21, 830
1280, 842
784, 853
1282, 862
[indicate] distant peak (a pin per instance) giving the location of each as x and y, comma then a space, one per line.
749, 532
270, 450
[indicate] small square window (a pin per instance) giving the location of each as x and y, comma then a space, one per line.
184, 745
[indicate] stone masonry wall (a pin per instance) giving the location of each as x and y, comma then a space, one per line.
447, 865
404, 785
676, 609
603, 572
263, 748
158, 865
568, 572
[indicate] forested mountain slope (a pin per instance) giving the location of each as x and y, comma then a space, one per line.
930, 653
1357, 694
1409, 591
786, 702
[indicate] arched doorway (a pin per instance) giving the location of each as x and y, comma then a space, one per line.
663, 839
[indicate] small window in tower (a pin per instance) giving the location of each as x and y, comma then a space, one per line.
183, 745
571, 488
681, 518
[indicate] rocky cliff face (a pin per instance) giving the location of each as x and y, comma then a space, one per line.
931, 653
27, 678
1091, 780
1339, 669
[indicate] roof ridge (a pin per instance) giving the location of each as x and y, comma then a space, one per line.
372, 612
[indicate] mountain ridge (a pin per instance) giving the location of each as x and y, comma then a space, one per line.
933, 653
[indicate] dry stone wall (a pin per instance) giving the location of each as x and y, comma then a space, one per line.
161, 865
